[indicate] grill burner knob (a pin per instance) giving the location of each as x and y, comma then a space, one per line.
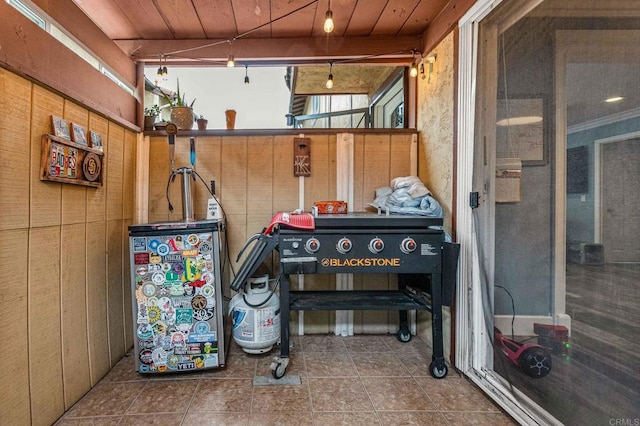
408, 245
312, 245
344, 245
376, 245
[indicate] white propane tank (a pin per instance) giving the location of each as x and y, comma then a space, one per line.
256, 316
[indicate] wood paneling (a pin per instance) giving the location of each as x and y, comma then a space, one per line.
45, 197
56, 297
45, 348
128, 174
14, 393
115, 290
75, 351
114, 172
97, 301
97, 197
15, 104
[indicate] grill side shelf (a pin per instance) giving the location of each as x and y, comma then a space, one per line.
356, 300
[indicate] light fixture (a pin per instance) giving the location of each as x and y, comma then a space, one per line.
523, 120
328, 20
329, 84
614, 99
246, 74
413, 71
231, 62
431, 58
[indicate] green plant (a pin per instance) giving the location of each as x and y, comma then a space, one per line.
153, 111
178, 100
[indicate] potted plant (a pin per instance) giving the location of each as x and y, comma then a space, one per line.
150, 115
202, 122
181, 111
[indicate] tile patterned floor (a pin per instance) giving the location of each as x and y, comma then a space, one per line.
360, 380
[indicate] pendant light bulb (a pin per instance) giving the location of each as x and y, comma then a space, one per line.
330, 82
231, 62
413, 71
246, 74
164, 70
328, 22
160, 72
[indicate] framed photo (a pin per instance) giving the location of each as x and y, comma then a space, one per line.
60, 127
96, 140
78, 134
521, 130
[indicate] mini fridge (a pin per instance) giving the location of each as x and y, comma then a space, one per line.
176, 286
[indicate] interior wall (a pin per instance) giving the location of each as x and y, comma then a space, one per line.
66, 296
436, 94
254, 180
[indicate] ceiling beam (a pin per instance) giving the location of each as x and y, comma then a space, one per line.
374, 49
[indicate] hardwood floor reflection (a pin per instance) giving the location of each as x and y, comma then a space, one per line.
598, 381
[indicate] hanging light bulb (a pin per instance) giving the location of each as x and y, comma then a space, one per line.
231, 62
413, 71
329, 84
160, 71
164, 70
328, 20
246, 74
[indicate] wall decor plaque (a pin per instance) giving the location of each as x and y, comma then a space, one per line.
62, 160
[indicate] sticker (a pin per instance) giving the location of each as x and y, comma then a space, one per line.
201, 338
201, 327
154, 314
160, 328
205, 247
172, 276
211, 302
142, 270
158, 278
196, 283
166, 267
159, 356
172, 361
208, 290
140, 258
181, 302
155, 258
144, 331
153, 244
208, 277
146, 344
143, 317
149, 289
144, 368
178, 268
175, 289
146, 357
203, 315
199, 302
152, 301
191, 272
193, 239
163, 249
139, 244
184, 316
172, 258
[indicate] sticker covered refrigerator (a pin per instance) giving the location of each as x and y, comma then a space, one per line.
177, 296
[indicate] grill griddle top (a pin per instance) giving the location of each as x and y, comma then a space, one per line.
366, 220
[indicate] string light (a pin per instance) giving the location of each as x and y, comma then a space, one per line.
328, 20
231, 62
246, 74
329, 83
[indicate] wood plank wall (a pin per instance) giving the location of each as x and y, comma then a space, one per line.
64, 249
254, 180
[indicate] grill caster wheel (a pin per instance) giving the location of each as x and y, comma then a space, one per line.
279, 367
404, 335
438, 369
535, 362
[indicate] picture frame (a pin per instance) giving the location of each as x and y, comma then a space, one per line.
60, 127
522, 129
96, 140
78, 134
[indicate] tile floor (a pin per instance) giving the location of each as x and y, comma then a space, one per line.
360, 380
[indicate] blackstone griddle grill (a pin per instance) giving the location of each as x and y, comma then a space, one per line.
413, 247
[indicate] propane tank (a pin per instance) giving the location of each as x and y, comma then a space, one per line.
255, 311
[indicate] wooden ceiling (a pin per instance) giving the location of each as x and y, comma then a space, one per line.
266, 31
